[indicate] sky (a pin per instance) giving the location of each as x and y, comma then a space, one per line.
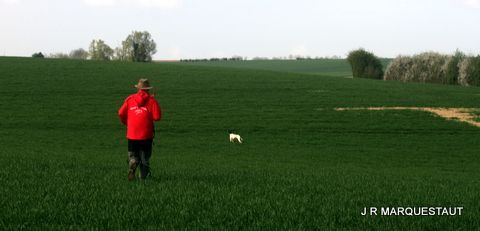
249, 28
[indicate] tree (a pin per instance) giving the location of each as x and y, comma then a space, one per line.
453, 69
79, 53
137, 47
469, 73
365, 64
121, 54
38, 55
99, 50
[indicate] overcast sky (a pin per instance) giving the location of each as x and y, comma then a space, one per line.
207, 28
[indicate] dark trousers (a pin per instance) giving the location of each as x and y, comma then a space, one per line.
139, 153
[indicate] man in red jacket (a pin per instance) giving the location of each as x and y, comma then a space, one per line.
139, 112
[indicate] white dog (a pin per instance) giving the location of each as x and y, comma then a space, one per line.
234, 137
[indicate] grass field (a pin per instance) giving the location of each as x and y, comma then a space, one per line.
303, 165
330, 67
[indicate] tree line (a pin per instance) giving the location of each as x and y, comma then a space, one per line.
137, 47
258, 58
426, 67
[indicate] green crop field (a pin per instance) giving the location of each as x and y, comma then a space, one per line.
330, 67
303, 165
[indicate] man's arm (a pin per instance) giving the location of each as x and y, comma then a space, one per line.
156, 111
123, 112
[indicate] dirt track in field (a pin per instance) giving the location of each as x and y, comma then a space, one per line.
460, 114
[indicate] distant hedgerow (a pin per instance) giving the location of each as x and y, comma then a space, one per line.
365, 64
428, 67
432, 67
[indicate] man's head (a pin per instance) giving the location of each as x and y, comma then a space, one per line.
143, 84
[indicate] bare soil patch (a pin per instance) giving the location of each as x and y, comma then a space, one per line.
466, 115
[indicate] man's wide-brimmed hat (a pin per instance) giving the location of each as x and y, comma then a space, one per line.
143, 84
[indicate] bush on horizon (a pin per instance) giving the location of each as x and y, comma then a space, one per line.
38, 55
365, 64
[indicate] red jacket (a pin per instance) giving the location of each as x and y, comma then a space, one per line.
138, 112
